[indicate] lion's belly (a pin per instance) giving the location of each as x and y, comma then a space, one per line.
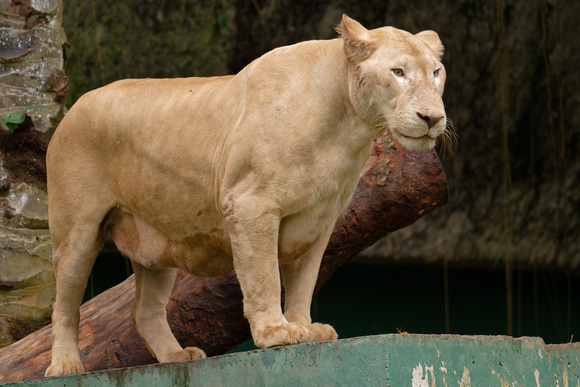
206, 253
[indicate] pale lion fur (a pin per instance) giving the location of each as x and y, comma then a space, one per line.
247, 172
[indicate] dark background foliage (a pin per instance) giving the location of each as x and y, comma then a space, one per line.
512, 94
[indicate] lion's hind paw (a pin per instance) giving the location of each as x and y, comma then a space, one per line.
189, 353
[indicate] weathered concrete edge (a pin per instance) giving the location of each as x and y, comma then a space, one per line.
385, 360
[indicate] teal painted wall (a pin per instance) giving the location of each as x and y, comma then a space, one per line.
385, 360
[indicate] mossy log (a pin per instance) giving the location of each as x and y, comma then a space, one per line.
397, 187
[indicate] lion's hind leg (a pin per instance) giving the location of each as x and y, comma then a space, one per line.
145, 246
153, 289
73, 259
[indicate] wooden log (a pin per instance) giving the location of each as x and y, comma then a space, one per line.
397, 187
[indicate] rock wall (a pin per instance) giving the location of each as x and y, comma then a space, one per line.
32, 88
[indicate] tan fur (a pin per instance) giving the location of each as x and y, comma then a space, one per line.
247, 172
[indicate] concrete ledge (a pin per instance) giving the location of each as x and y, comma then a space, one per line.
384, 360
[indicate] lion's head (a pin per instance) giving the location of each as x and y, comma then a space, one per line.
396, 80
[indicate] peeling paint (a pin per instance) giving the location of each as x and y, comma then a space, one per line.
503, 382
432, 372
565, 378
418, 380
537, 376
465, 378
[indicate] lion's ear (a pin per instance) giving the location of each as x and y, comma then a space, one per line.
432, 40
357, 41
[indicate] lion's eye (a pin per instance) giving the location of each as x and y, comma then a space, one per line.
398, 72
436, 73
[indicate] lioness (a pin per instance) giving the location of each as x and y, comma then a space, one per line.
246, 172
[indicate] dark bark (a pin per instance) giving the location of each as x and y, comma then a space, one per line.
397, 187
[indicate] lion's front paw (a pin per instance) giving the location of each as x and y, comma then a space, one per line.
189, 353
284, 334
293, 333
322, 332
65, 367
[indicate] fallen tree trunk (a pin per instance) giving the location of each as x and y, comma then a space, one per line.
397, 187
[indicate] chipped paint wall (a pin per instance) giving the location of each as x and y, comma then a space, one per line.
386, 360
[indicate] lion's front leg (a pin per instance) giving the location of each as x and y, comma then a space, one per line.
253, 230
299, 281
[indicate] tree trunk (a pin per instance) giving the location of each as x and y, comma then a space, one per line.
32, 89
397, 187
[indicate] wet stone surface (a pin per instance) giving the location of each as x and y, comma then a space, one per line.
32, 82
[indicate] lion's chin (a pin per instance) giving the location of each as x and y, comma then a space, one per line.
422, 143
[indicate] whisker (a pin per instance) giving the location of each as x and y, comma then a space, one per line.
449, 138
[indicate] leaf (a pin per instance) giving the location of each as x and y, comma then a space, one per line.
34, 107
12, 119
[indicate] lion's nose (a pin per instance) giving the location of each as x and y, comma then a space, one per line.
430, 120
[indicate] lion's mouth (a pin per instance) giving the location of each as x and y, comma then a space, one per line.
413, 138
423, 142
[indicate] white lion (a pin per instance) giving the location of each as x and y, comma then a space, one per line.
247, 172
